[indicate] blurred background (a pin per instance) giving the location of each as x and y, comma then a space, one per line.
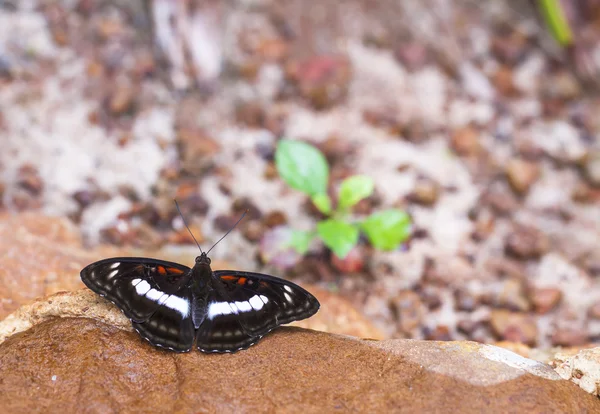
479, 119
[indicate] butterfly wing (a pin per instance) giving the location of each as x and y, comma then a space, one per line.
242, 307
154, 294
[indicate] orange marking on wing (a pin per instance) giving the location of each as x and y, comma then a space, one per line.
229, 278
139, 268
161, 270
174, 270
241, 281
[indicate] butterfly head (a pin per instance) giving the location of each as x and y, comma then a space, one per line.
203, 259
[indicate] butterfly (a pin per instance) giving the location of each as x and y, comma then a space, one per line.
177, 307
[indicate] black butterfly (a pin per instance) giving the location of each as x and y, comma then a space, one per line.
173, 306
170, 304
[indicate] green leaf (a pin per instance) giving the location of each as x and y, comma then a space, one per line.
322, 202
387, 229
302, 166
300, 241
557, 21
354, 189
338, 235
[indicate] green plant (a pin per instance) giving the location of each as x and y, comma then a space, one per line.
304, 168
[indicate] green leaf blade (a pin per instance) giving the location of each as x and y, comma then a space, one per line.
302, 166
322, 202
338, 235
354, 189
387, 229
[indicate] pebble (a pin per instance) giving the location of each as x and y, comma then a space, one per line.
467, 326
322, 80
275, 218
425, 192
245, 205
570, 337
504, 82
439, 333
250, 114
270, 173
521, 175
514, 326
545, 299
526, 242
591, 168
501, 200
512, 295
465, 301
353, 262
253, 230
29, 179
225, 222
122, 100
465, 141
336, 149
594, 311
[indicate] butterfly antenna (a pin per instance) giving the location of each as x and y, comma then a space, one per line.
228, 231
188, 227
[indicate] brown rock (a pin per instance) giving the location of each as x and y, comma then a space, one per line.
562, 85
122, 100
521, 175
465, 141
514, 326
439, 333
250, 114
352, 263
591, 168
270, 172
453, 271
183, 236
273, 49
59, 35
60, 364
246, 205
409, 311
526, 242
465, 301
502, 201
570, 337
225, 222
253, 230
545, 299
196, 150
29, 178
56, 247
503, 267
582, 193
512, 295
503, 81
322, 80
594, 311
275, 218
336, 149
509, 46
467, 326
425, 192
413, 55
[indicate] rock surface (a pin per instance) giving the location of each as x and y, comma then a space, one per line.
64, 364
583, 368
40, 256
